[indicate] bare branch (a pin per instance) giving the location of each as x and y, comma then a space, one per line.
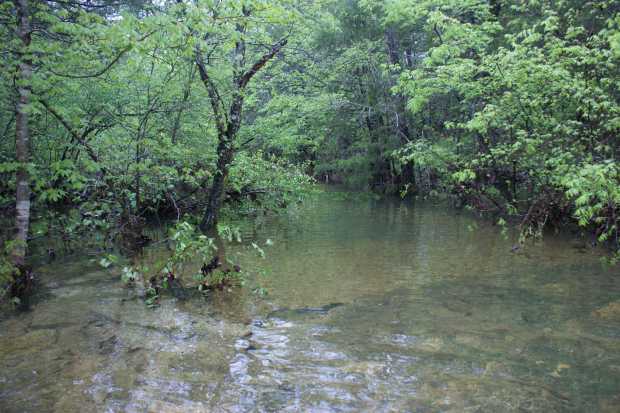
79, 137
214, 96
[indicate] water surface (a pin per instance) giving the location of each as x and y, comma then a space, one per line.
373, 306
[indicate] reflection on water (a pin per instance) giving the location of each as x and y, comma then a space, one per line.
373, 306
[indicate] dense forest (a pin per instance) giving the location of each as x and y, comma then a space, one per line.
114, 112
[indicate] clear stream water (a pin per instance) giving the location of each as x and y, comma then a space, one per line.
383, 306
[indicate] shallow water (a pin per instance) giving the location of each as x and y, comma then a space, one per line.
373, 306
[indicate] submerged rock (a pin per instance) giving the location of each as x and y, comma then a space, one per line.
431, 345
610, 405
305, 311
610, 312
369, 368
555, 289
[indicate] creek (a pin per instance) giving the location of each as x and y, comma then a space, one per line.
373, 305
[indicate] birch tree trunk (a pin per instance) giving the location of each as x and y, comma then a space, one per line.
22, 135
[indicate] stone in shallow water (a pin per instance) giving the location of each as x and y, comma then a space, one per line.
609, 312
431, 345
363, 367
555, 289
610, 405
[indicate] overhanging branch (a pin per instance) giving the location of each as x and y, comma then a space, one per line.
247, 76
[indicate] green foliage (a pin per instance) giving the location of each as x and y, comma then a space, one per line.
595, 192
108, 260
190, 247
122, 128
527, 113
267, 182
129, 275
187, 264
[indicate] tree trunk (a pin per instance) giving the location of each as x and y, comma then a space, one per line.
224, 159
496, 7
22, 137
225, 155
392, 47
228, 125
